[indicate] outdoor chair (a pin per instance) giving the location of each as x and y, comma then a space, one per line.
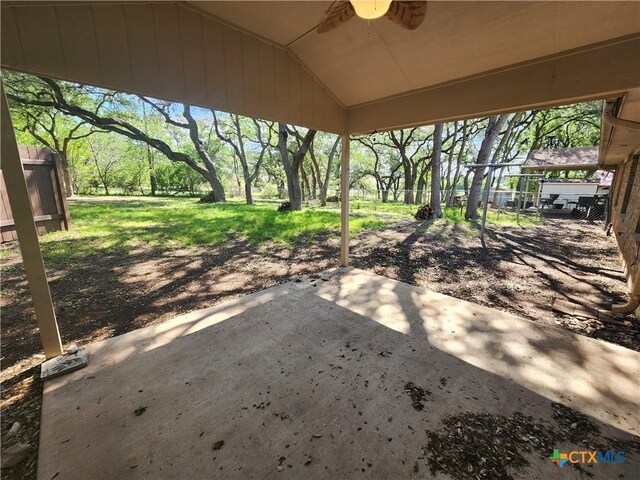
582, 205
548, 202
597, 209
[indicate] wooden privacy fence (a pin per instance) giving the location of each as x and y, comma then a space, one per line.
44, 183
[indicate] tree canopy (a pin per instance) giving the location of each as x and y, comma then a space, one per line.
115, 142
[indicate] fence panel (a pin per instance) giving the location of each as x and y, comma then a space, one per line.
44, 183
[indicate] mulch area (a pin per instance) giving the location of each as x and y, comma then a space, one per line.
473, 446
518, 270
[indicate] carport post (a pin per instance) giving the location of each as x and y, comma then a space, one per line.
344, 202
28, 236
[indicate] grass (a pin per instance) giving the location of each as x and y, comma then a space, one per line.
362, 206
119, 224
451, 214
103, 225
455, 215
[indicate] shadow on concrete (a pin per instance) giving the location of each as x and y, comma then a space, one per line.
318, 370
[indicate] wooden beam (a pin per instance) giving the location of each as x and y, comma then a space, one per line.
36, 161
344, 202
28, 236
589, 73
39, 218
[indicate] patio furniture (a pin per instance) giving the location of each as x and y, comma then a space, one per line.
591, 207
596, 211
584, 203
549, 201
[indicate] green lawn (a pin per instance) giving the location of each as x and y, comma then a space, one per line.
107, 224
112, 224
452, 215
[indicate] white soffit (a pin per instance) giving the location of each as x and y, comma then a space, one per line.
362, 61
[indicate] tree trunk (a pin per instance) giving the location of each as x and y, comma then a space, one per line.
421, 187
154, 184
396, 189
409, 183
447, 179
323, 195
314, 184
435, 171
292, 166
152, 171
286, 163
153, 181
240, 152
247, 184
315, 174
296, 197
456, 175
466, 182
491, 134
212, 176
305, 183
103, 178
324, 186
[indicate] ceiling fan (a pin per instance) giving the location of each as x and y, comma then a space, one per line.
407, 14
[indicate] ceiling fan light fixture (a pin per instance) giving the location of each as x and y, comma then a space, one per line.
370, 9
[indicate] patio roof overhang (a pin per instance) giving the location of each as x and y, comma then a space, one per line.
560, 168
562, 159
265, 59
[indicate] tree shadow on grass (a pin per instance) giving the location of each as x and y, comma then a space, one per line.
121, 224
105, 294
521, 270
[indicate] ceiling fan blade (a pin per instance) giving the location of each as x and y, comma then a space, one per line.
337, 13
408, 14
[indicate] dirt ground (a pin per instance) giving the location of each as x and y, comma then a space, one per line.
519, 270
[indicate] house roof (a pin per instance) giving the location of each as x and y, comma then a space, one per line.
603, 177
265, 59
580, 158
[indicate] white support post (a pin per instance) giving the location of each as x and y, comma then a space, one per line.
344, 202
28, 236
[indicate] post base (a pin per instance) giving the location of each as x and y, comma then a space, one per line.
64, 364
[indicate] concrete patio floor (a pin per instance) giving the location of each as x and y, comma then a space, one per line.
315, 372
